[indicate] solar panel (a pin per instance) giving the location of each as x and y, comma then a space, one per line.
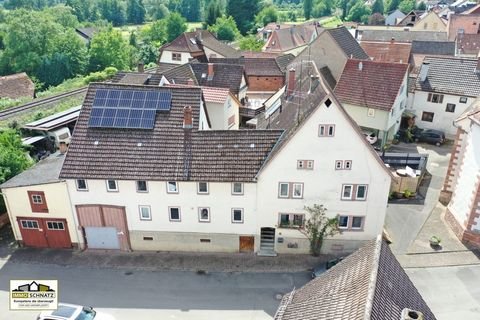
128, 108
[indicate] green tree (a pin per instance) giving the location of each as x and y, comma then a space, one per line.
213, 12
322, 8
147, 53
393, 5
244, 12
113, 11
156, 9
191, 10
74, 49
266, 15
359, 12
84, 10
225, 28
250, 43
63, 15
422, 6
318, 227
175, 26
307, 9
135, 12
13, 159
406, 5
377, 7
108, 49
155, 33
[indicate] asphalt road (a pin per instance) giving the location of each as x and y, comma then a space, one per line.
157, 295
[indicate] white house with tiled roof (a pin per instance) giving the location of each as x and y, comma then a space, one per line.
223, 108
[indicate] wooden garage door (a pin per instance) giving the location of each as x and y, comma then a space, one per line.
57, 233
44, 232
32, 232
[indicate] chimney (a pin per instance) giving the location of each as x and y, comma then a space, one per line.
409, 314
190, 82
187, 118
291, 82
360, 66
424, 71
62, 147
210, 71
140, 66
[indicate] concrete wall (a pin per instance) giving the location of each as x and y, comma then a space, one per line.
166, 57
219, 114
323, 184
442, 120
58, 203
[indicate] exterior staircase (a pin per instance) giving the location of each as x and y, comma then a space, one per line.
267, 243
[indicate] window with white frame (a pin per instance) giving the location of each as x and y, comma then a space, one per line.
350, 223
357, 222
450, 107
347, 192
427, 116
309, 164
237, 188
172, 187
338, 164
326, 130
354, 192
343, 222
81, 184
283, 190
145, 213
361, 192
55, 225
347, 164
463, 99
176, 56
297, 190
37, 199
202, 187
204, 214
305, 164
435, 98
142, 186
291, 220
237, 215
112, 185
29, 224
174, 213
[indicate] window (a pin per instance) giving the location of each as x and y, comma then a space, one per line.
297, 190
326, 130
357, 222
82, 185
283, 190
291, 220
55, 225
176, 56
343, 222
361, 192
347, 192
237, 215
37, 199
29, 224
463, 99
204, 214
348, 164
300, 164
145, 213
231, 121
112, 185
338, 165
38, 203
172, 187
174, 213
305, 164
450, 107
142, 186
371, 112
309, 164
202, 187
237, 188
427, 116
435, 98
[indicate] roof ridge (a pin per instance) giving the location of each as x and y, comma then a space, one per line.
373, 278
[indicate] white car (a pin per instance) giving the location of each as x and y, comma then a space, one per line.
73, 312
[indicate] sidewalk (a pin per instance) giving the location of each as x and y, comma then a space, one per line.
163, 261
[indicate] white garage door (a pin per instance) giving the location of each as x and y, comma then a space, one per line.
102, 238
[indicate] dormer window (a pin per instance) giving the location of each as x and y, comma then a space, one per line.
176, 56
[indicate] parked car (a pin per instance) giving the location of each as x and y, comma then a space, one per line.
324, 267
73, 312
432, 136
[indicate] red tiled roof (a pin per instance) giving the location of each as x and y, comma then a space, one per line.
216, 95
16, 86
387, 51
370, 84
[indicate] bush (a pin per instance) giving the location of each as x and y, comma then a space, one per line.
108, 73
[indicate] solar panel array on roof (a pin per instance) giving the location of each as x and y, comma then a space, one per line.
134, 109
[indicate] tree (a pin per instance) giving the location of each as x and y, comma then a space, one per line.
377, 7
251, 43
13, 159
318, 227
156, 9
155, 33
393, 5
225, 28
422, 6
113, 11
376, 19
108, 49
135, 12
213, 12
244, 12
322, 8
359, 12
266, 15
63, 15
406, 5
191, 10
175, 26
307, 9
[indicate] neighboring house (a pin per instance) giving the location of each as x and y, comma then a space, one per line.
461, 189
410, 18
444, 88
201, 45
292, 39
38, 206
430, 22
473, 10
182, 74
330, 51
16, 86
421, 49
223, 108
315, 121
374, 94
394, 17
403, 35
370, 284
221, 75
387, 51
86, 34
468, 44
463, 24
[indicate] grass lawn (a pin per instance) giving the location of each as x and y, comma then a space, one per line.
330, 22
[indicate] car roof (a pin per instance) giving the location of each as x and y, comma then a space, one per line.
64, 311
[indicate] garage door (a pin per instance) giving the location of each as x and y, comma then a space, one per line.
102, 238
44, 233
